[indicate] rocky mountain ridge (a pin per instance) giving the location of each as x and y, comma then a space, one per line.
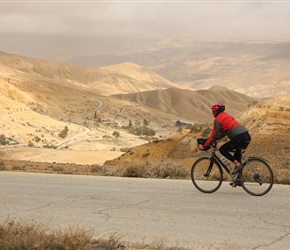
256, 68
190, 104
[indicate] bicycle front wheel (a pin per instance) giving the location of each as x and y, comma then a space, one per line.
206, 175
257, 177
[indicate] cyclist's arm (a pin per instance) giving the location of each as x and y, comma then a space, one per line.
215, 134
220, 136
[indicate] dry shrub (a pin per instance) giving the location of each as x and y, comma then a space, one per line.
168, 169
98, 169
113, 242
134, 171
281, 175
31, 235
163, 169
171, 172
159, 244
2, 166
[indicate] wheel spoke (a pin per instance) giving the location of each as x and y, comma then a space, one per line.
257, 177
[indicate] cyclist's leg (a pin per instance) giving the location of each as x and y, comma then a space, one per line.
240, 142
238, 155
225, 150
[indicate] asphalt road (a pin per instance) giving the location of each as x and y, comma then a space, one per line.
150, 209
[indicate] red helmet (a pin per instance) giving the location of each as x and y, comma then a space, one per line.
218, 107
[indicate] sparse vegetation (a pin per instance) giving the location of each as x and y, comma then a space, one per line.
3, 139
58, 169
165, 170
49, 146
27, 235
18, 168
7, 141
98, 169
146, 154
124, 150
116, 134
16, 235
37, 139
2, 166
135, 171
30, 144
252, 104
64, 132
145, 123
141, 130
206, 132
285, 182
174, 163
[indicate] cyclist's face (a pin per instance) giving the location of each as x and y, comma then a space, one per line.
214, 113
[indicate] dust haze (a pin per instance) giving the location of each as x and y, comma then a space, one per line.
235, 19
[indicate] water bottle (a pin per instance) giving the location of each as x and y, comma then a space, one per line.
228, 165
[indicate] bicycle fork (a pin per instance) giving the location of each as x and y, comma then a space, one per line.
209, 169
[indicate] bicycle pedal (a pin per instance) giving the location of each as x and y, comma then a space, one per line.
236, 183
233, 185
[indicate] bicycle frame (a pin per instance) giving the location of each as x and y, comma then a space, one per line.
245, 161
214, 157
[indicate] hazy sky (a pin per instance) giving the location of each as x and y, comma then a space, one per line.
246, 19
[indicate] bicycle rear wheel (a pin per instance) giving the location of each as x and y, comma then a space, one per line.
206, 175
257, 177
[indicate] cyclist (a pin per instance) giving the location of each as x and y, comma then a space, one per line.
226, 125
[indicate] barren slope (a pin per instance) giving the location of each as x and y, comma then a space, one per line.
190, 105
21, 124
103, 81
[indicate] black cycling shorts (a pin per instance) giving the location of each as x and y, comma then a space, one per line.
241, 141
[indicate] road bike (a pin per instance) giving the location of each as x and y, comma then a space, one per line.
256, 176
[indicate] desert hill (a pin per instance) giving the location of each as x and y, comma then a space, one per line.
140, 73
192, 105
22, 125
106, 81
270, 117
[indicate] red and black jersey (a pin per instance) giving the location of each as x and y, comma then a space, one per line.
224, 125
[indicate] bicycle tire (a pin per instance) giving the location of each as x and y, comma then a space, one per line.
257, 177
210, 183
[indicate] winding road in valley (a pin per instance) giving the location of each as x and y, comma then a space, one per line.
86, 130
150, 209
